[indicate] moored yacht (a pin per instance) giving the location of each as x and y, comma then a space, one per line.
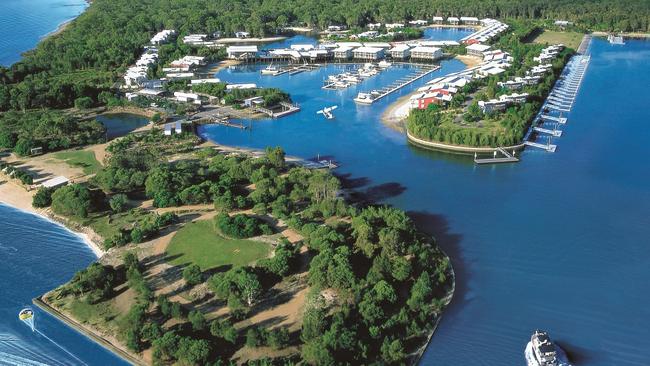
367, 98
270, 70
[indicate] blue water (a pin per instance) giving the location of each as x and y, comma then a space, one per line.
119, 124
447, 34
558, 241
24, 22
37, 256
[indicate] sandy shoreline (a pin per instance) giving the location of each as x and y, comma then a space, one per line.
11, 194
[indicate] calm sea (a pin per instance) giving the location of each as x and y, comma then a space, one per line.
558, 241
24, 22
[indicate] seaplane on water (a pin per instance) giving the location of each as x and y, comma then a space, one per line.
327, 112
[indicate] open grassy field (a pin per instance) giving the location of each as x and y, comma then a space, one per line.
569, 39
198, 243
80, 158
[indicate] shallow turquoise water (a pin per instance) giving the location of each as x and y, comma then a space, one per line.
558, 241
24, 22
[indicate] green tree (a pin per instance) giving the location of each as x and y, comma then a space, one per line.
192, 274
119, 202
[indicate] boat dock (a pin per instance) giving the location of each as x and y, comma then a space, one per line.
287, 108
560, 100
548, 147
506, 158
292, 70
397, 85
554, 132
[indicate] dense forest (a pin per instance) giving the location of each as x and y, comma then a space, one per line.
99, 44
388, 280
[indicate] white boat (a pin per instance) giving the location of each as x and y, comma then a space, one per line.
270, 70
367, 98
327, 112
541, 351
384, 64
615, 39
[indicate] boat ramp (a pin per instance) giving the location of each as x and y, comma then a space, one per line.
375, 95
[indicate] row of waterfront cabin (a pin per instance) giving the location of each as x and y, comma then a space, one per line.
502, 103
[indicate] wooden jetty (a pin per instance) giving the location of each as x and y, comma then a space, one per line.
399, 84
506, 158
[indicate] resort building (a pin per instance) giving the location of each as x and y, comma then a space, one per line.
302, 47
374, 26
511, 84
56, 182
320, 54
205, 81
515, 98
241, 86
187, 97
453, 20
438, 20
180, 75
394, 26
426, 53
469, 20
477, 49
236, 52
497, 55
368, 53
502, 103
384, 45
366, 34
418, 23
539, 70
491, 28
562, 23
492, 105
188, 62
163, 36
335, 28
343, 53
242, 35
195, 39
400, 51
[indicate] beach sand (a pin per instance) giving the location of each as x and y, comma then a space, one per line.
14, 195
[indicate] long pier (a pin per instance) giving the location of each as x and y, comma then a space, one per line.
399, 84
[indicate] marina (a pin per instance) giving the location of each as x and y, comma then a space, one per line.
375, 95
347, 79
559, 101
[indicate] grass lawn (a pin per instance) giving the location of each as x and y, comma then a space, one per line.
198, 243
80, 158
569, 39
